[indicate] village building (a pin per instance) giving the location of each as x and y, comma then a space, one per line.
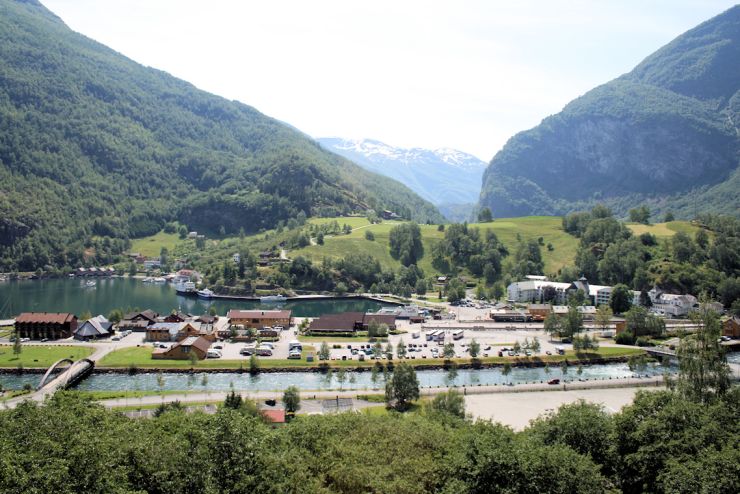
40, 325
672, 305
539, 311
182, 350
94, 328
349, 322
138, 321
731, 327
535, 291
259, 318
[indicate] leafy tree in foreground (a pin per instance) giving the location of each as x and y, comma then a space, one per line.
620, 300
450, 402
403, 387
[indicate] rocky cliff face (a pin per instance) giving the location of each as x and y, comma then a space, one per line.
665, 132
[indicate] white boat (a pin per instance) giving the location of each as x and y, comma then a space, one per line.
273, 298
148, 279
185, 288
205, 293
159, 280
90, 283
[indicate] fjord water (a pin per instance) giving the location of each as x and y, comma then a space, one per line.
71, 295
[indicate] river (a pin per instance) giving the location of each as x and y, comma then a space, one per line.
315, 381
71, 295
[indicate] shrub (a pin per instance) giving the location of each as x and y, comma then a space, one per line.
625, 338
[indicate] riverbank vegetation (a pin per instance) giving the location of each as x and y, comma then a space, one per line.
141, 358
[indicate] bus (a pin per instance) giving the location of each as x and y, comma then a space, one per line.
458, 335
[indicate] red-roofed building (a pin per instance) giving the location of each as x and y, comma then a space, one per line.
51, 325
276, 416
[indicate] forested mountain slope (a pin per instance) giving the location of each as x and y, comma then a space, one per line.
666, 134
95, 148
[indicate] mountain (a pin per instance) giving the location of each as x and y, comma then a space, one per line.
445, 177
666, 134
95, 149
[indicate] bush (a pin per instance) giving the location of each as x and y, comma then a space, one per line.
369, 235
643, 341
625, 338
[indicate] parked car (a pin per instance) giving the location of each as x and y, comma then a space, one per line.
247, 351
218, 346
554, 381
212, 353
116, 338
264, 351
294, 355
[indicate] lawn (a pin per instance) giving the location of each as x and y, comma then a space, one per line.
40, 356
151, 246
529, 227
141, 358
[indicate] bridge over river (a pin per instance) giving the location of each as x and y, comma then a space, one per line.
662, 352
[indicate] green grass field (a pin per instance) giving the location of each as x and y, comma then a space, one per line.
152, 246
529, 227
664, 230
141, 357
40, 356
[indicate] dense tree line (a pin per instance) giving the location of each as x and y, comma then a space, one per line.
706, 262
661, 443
95, 145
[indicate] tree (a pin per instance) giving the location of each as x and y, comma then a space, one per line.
405, 243
485, 215
377, 350
536, 347
640, 215
132, 269
389, 351
193, 357
341, 377
603, 317
17, 345
233, 401
115, 316
160, 384
401, 349
703, 373
620, 300
340, 288
324, 352
369, 235
403, 387
448, 350
291, 399
375, 375
669, 217
254, 364
474, 348
421, 287
450, 402
572, 324
506, 371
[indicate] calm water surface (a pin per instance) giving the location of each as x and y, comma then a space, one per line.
71, 295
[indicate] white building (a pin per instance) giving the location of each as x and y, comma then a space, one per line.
599, 294
671, 304
532, 291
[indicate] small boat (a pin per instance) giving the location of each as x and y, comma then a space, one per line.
90, 283
205, 293
159, 280
148, 279
273, 298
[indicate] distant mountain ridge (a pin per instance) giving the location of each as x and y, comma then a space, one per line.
96, 149
442, 176
666, 134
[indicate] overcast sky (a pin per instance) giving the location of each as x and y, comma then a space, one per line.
459, 74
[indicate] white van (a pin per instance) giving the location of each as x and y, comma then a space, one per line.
213, 353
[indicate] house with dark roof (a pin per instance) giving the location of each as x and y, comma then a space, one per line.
94, 328
731, 327
349, 322
40, 325
138, 321
182, 350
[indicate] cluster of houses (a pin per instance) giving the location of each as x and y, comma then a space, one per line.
538, 289
93, 272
